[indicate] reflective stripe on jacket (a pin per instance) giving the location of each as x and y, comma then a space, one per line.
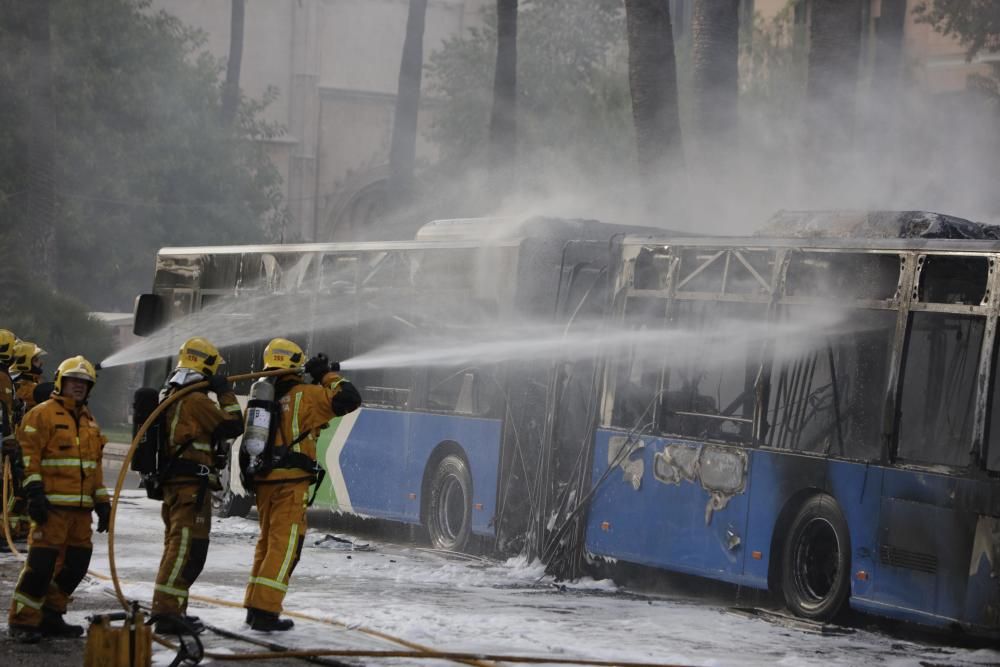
62, 446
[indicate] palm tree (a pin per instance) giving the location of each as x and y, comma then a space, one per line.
41, 152
831, 93
653, 86
231, 88
402, 152
503, 119
715, 26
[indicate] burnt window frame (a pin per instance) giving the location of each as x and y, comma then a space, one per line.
789, 297
670, 288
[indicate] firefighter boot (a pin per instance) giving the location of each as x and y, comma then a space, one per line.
178, 624
25, 634
267, 621
53, 625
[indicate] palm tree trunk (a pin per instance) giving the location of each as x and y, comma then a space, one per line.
831, 93
889, 46
503, 119
715, 37
231, 88
403, 151
653, 87
40, 230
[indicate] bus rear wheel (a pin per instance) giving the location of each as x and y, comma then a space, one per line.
816, 560
449, 509
227, 504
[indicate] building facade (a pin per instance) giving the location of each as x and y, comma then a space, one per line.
335, 65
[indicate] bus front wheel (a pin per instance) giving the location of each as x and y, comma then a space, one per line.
816, 560
449, 509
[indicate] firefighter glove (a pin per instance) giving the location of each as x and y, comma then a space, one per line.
318, 366
103, 516
219, 384
38, 504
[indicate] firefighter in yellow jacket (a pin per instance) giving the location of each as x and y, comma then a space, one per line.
197, 431
282, 486
26, 373
62, 446
19, 521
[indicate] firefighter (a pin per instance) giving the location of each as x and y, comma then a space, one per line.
197, 431
282, 491
26, 372
62, 446
9, 449
7, 343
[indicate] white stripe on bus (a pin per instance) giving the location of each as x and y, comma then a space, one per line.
333, 469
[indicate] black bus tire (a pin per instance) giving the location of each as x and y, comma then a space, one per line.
227, 504
449, 508
816, 560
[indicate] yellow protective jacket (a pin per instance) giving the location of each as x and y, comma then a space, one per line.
7, 404
306, 409
196, 418
62, 446
24, 385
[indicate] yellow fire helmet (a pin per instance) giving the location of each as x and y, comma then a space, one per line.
7, 342
283, 353
24, 355
75, 367
199, 355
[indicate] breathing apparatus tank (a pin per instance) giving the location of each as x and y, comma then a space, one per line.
259, 417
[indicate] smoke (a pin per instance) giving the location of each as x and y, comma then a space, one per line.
891, 140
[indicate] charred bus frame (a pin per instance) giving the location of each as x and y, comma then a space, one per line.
857, 462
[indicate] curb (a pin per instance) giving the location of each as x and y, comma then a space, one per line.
116, 450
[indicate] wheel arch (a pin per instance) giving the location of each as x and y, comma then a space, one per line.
443, 449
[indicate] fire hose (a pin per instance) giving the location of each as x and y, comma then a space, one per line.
414, 650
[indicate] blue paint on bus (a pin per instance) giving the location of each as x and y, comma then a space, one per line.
679, 526
387, 452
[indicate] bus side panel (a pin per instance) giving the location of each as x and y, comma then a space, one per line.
365, 458
375, 461
936, 549
663, 524
478, 438
782, 481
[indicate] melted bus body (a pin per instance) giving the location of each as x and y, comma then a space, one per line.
813, 417
449, 445
849, 455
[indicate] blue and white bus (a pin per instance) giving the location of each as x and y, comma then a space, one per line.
814, 417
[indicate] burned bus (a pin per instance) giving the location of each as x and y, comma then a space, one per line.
819, 420
811, 416
449, 442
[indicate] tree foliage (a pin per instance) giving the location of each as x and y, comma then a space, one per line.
976, 23
142, 159
572, 91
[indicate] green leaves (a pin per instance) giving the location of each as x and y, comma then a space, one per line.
142, 160
573, 105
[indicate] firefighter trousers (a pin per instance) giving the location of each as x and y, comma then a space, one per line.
17, 515
185, 545
282, 510
58, 557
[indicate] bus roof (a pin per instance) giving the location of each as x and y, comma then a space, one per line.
953, 245
360, 246
448, 234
